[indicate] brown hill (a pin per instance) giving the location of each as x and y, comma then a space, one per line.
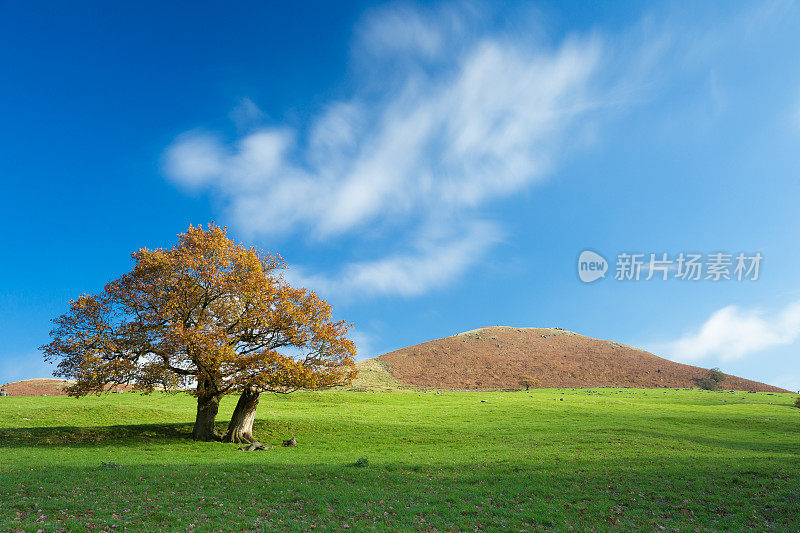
35, 387
41, 387
497, 357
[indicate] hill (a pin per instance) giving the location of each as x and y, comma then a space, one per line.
42, 387
497, 357
36, 387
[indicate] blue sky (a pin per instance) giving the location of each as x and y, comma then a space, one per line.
428, 168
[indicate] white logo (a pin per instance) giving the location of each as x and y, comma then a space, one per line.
591, 266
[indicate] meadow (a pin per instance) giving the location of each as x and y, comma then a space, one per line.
557, 459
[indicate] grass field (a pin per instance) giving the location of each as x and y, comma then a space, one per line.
546, 459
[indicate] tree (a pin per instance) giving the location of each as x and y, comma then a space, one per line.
715, 374
528, 382
210, 313
712, 380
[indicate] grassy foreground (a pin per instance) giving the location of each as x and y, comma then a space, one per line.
546, 459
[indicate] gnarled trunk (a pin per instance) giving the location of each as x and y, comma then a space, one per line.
207, 407
240, 428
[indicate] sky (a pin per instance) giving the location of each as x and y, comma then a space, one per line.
428, 168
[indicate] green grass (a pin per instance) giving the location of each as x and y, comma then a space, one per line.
548, 459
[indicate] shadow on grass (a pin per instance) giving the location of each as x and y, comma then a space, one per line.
90, 436
120, 435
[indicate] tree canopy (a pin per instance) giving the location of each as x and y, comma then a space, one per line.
208, 313
528, 382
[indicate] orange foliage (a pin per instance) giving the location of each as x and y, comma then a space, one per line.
528, 382
208, 310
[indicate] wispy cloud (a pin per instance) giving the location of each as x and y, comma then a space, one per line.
433, 261
453, 140
247, 115
449, 118
734, 333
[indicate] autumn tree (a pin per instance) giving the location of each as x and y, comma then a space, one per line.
208, 313
528, 382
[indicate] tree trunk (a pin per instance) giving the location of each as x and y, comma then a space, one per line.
207, 407
240, 428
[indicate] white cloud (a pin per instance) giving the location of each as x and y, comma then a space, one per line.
195, 160
734, 333
406, 32
434, 261
453, 141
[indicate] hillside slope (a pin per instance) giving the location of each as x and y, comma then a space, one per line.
36, 387
43, 387
496, 357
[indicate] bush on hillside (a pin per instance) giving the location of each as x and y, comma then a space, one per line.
528, 382
712, 380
